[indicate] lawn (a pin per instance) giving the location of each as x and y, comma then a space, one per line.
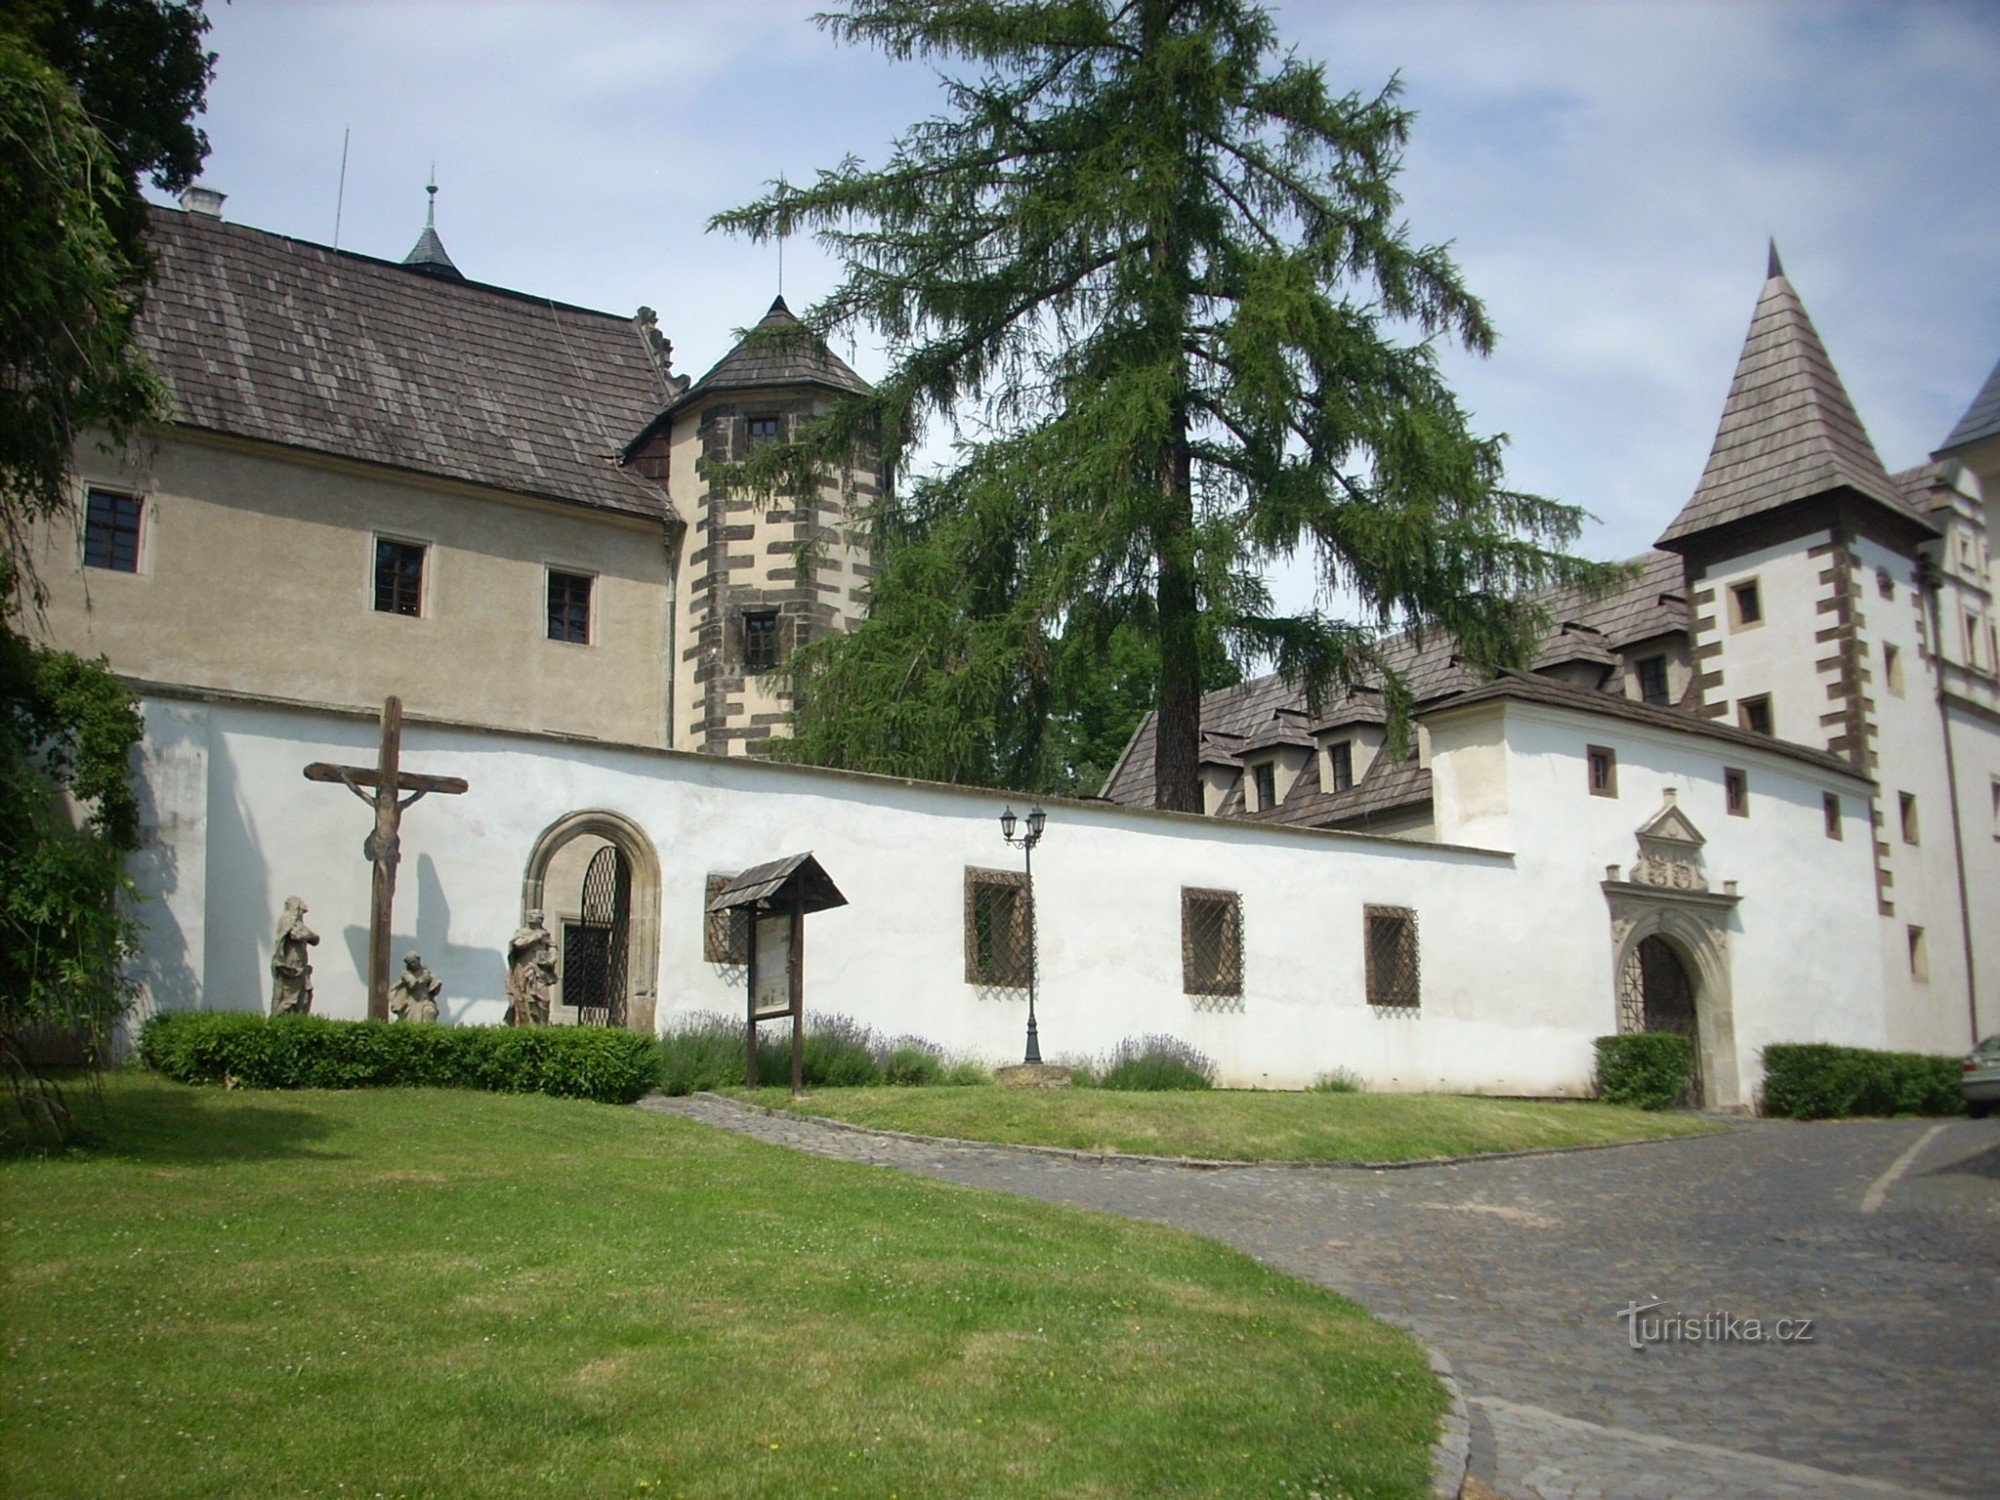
1240, 1124
441, 1292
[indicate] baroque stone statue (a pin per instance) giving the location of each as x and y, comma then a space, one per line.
531, 973
291, 964
414, 996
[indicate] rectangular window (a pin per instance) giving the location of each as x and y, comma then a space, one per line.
761, 430
399, 577
1892, 668
1972, 642
1920, 955
997, 928
760, 640
1830, 804
1906, 805
1211, 942
1603, 771
725, 935
1996, 809
1266, 777
1885, 583
1754, 714
1392, 957
1341, 757
1746, 605
569, 607
1653, 681
111, 531
1736, 792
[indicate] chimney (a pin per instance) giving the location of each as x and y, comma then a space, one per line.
205, 201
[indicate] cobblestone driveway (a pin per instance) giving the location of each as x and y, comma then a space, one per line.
1517, 1270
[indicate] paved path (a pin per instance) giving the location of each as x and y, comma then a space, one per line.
1517, 1271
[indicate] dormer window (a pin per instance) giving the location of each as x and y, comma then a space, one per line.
1340, 764
1264, 775
1653, 681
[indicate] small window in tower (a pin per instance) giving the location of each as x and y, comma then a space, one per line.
1340, 757
1972, 635
1754, 714
111, 531
1653, 681
761, 430
399, 577
1603, 771
1920, 955
569, 607
1906, 805
1736, 792
1830, 806
1266, 778
760, 640
1892, 668
1885, 583
1746, 605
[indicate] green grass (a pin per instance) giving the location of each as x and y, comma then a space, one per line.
1241, 1125
403, 1292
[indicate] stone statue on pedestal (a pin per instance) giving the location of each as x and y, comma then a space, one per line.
531, 973
414, 997
291, 964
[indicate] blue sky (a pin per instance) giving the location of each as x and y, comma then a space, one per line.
1607, 174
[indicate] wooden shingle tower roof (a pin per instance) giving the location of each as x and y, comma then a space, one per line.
1788, 431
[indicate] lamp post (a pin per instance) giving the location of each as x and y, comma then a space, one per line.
1037, 820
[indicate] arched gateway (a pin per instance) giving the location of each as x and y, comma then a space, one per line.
596, 879
1670, 952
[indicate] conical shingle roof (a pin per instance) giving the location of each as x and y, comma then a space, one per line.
778, 351
1981, 419
1788, 430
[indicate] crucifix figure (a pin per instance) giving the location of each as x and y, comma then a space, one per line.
383, 847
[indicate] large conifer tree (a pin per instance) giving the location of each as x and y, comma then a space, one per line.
1153, 263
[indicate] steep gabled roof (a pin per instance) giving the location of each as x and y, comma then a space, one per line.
1788, 431
282, 341
1981, 419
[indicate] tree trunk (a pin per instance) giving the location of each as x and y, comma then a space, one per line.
1177, 726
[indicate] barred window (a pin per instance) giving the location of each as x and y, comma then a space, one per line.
760, 640
399, 577
998, 928
569, 607
725, 935
1392, 957
111, 531
1211, 942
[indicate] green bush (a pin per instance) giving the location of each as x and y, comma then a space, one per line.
966, 1072
1156, 1063
840, 1054
1336, 1081
1816, 1081
1648, 1068
913, 1065
605, 1064
701, 1052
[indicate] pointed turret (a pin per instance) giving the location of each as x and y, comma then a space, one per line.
780, 351
427, 255
1788, 431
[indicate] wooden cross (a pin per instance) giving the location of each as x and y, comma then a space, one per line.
383, 846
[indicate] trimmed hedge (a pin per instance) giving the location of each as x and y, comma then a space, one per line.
1648, 1068
1816, 1081
600, 1063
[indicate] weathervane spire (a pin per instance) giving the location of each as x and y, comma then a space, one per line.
1776, 267
431, 207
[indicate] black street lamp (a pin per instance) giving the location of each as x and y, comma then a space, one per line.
1037, 820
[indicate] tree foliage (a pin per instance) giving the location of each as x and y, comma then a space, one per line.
1154, 263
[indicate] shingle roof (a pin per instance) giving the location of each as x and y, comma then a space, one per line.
1390, 786
1981, 419
778, 351
282, 341
1652, 605
1788, 431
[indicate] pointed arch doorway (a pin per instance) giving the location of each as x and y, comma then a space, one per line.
595, 878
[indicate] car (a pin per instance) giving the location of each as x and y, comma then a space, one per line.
1981, 1081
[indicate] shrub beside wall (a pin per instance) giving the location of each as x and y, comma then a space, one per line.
1648, 1068
600, 1063
705, 1051
1817, 1081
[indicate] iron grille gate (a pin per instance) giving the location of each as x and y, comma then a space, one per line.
595, 947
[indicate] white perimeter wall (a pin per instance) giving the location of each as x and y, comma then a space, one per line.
1516, 955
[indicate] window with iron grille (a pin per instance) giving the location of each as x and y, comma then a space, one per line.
1211, 942
399, 577
760, 640
1341, 756
725, 935
999, 928
111, 531
569, 607
1392, 957
1653, 680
